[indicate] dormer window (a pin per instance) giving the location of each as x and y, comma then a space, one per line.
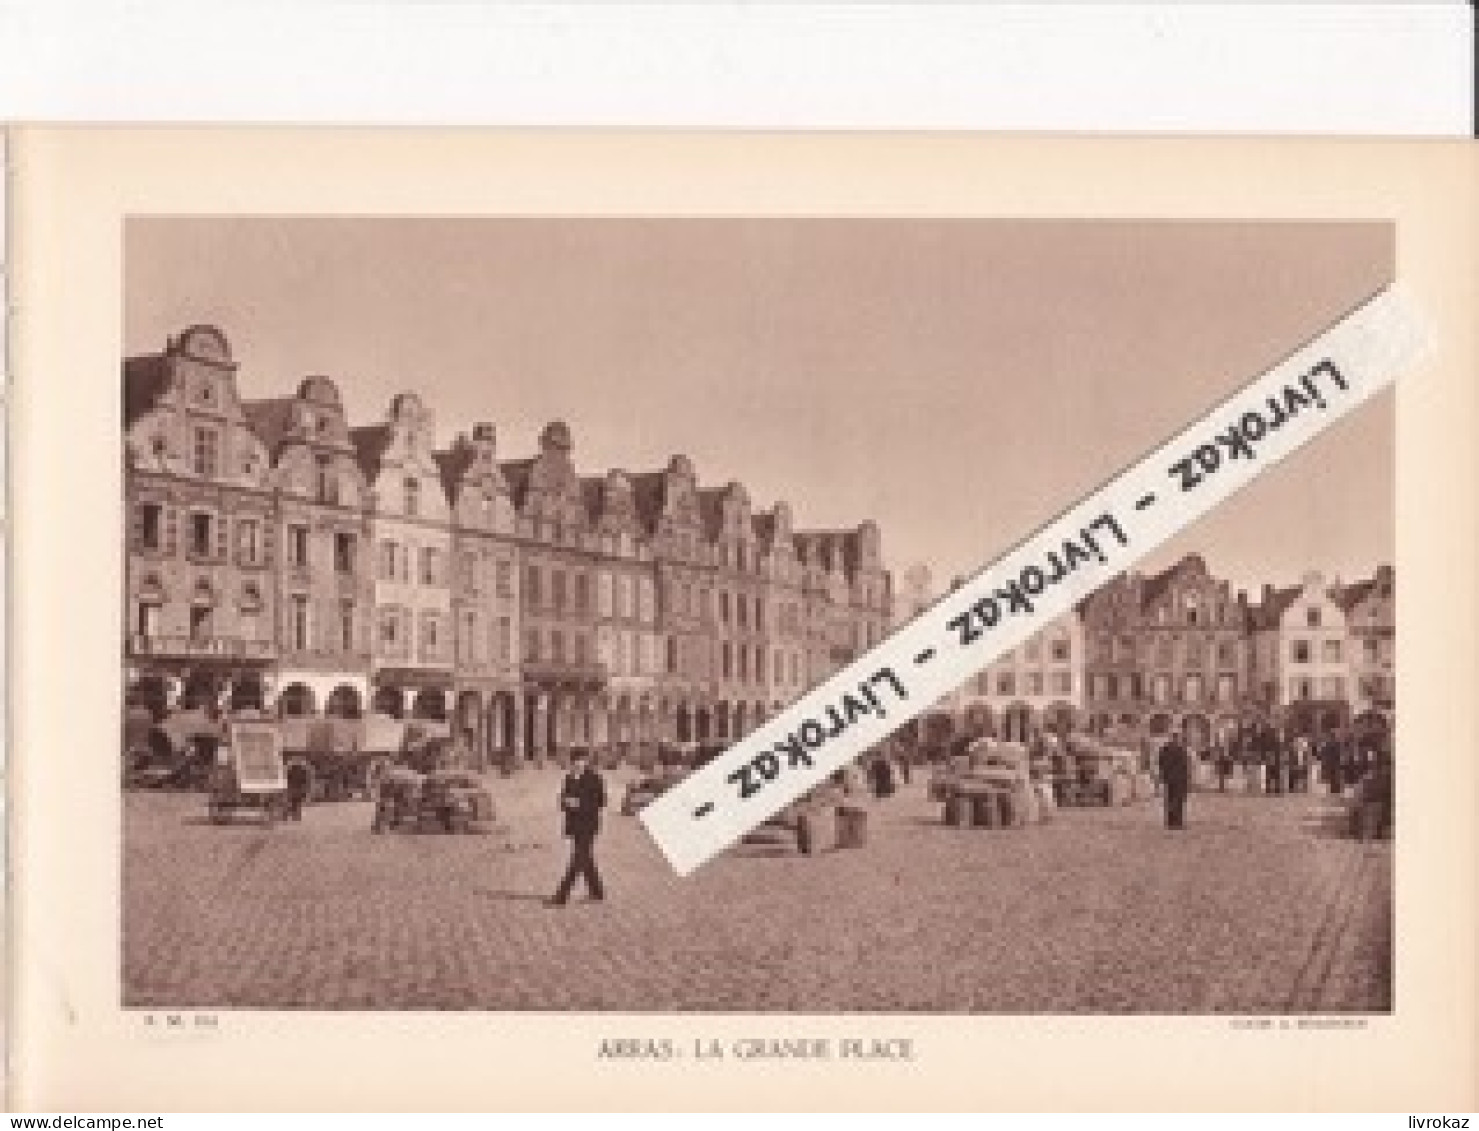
207, 449
1312, 618
327, 483
412, 498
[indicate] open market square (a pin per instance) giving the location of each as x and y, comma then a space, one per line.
1261, 905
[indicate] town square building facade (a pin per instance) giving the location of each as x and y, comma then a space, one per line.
280, 559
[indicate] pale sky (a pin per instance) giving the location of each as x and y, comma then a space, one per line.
960, 382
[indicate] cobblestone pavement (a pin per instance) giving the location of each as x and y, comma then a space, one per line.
1255, 908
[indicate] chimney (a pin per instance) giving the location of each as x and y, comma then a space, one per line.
484, 434
1268, 592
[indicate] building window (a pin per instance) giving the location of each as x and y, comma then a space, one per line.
503, 573
429, 570
582, 592
557, 586
201, 525
1060, 650
1006, 683
1330, 651
299, 623
206, 452
1332, 687
724, 606
147, 621
672, 655
1034, 683
150, 518
412, 498
557, 646
1161, 689
1312, 618
1371, 650
726, 659
759, 615
531, 644
346, 626
1227, 654
1125, 648
343, 552
582, 648
532, 585
1194, 651
1062, 683
248, 541
298, 546
1193, 689
390, 630
1227, 688
1301, 688
744, 663
1299, 651
327, 482
430, 637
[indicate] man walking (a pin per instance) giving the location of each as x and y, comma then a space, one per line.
582, 798
1175, 767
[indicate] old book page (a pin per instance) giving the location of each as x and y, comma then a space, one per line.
385, 502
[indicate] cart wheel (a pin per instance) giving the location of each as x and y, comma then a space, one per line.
803, 835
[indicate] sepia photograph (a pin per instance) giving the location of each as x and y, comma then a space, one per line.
452, 543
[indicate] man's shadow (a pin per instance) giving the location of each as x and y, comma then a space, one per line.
515, 896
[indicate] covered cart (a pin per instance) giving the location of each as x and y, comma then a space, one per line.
444, 800
249, 775
996, 789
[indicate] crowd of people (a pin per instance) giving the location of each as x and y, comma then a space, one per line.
1273, 761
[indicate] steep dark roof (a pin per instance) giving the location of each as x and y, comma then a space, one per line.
710, 511
450, 467
763, 524
649, 491
516, 472
1157, 583
1268, 613
1349, 596
593, 495
145, 381
370, 445
270, 420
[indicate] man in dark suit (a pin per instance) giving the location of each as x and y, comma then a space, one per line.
582, 798
1175, 767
